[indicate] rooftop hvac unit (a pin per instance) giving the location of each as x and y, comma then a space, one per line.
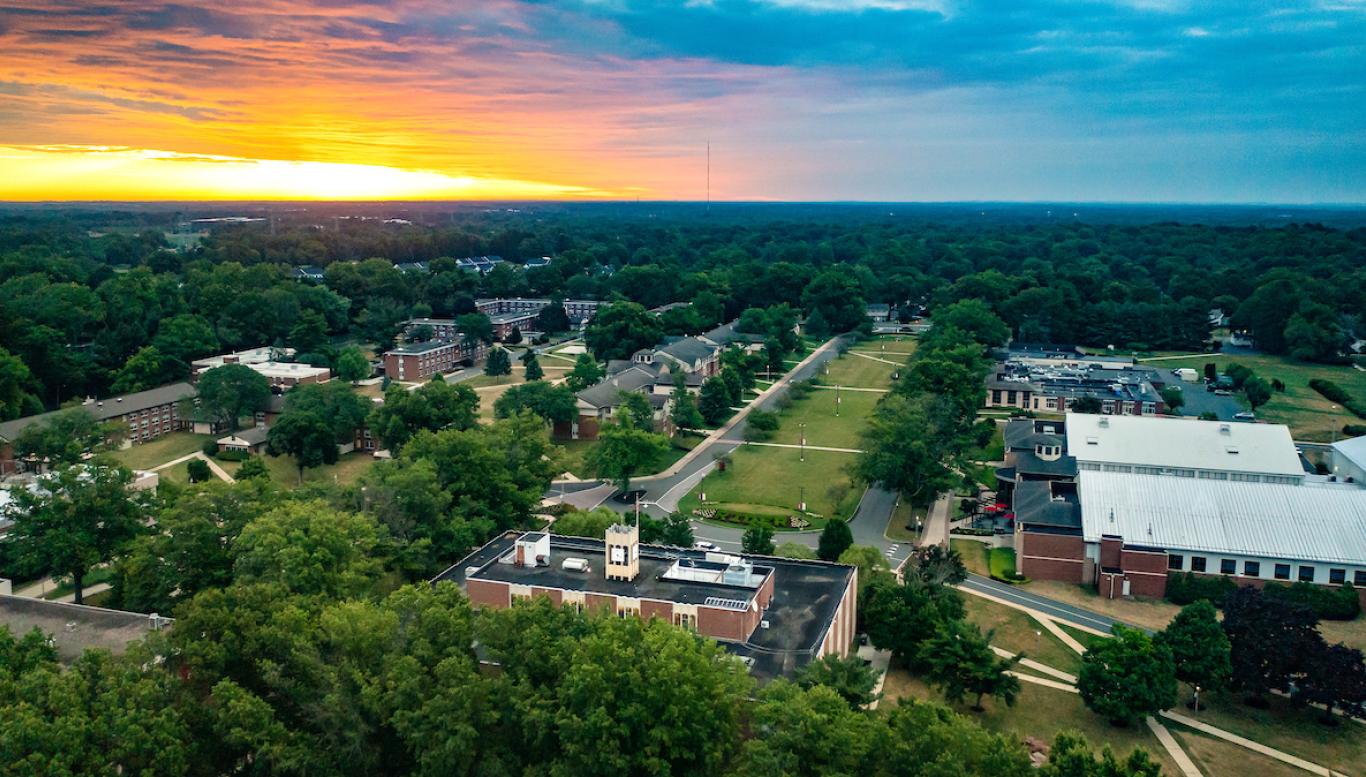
575, 564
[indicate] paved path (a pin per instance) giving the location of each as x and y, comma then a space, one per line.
796, 447
936, 531
876, 359
1257, 747
883, 353
221, 473
89, 591
851, 388
1173, 748
1013, 596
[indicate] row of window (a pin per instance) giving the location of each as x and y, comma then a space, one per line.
1304, 573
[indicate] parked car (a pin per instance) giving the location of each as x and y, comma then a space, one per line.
710, 547
1245, 416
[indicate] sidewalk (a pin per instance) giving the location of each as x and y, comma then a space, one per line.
936, 531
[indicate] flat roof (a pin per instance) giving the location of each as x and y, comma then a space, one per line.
288, 369
76, 627
1183, 443
1311, 522
805, 593
416, 349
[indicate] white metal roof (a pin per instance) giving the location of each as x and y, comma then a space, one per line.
1323, 523
1182, 443
1354, 450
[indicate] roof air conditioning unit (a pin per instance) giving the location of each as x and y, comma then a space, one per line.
763, 624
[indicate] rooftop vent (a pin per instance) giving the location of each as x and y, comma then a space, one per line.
1103, 423
1231, 449
1225, 429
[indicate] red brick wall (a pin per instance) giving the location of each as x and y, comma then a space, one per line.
554, 594
1110, 550
765, 592
653, 609
721, 624
605, 601
488, 593
1051, 557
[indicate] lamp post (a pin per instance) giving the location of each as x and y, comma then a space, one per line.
803, 446
837, 400
801, 498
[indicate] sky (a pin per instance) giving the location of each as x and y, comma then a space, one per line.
816, 100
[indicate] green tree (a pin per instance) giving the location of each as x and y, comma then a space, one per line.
1174, 398
408, 500
634, 411
836, 538
585, 523
623, 451
974, 317
66, 436
1128, 677
1257, 391
735, 387
231, 391
850, 677
584, 374
198, 471
837, 297
1071, 756
76, 519
475, 328
936, 565
532, 366
714, 402
343, 409
147, 369
311, 550
1199, 647
794, 550
549, 402
684, 413
620, 329
307, 437
673, 529
433, 406
817, 326
903, 617
515, 336
959, 661
1269, 641
1089, 405
552, 318
498, 363
757, 540
906, 448
185, 337
872, 565
254, 467
309, 333
16, 384
352, 364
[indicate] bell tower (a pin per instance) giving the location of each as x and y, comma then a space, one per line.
623, 552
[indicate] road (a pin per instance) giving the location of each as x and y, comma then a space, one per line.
1057, 610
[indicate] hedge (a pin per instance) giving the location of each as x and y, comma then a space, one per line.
1327, 602
1183, 588
1335, 393
1354, 430
233, 455
776, 522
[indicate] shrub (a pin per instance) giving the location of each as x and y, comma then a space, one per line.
1238, 374
971, 532
1354, 430
1331, 604
1335, 393
760, 425
209, 448
1184, 588
231, 455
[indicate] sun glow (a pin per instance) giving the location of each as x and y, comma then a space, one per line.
32, 173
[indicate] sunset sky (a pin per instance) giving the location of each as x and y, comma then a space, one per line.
1146, 100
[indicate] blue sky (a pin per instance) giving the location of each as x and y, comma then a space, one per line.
801, 99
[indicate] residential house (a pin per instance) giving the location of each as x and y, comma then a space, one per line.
251, 440
309, 272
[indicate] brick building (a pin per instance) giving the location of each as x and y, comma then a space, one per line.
147, 415
777, 614
1052, 381
420, 361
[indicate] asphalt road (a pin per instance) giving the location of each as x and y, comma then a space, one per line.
1058, 610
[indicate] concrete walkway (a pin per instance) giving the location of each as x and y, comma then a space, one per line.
1173, 748
852, 388
87, 593
218, 471
1036, 666
1269, 752
936, 531
876, 359
882, 353
796, 447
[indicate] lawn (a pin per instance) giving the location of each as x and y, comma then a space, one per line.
903, 515
161, 450
854, 370
823, 427
778, 479
1217, 758
974, 555
346, 471
574, 454
1149, 613
1001, 561
1041, 713
1308, 414
1019, 633
179, 474
1286, 726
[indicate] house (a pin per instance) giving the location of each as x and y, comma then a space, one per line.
690, 354
776, 614
878, 313
1122, 502
309, 272
727, 335
251, 440
420, 361
536, 261
147, 415
266, 361
480, 264
598, 403
408, 268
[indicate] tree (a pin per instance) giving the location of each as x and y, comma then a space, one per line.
475, 328
198, 470
185, 338
673, 529
146, 369
757, 540
309, 333
75, 519
584, 374
773, 355
937, 565
585, 523
307, 437
850, 677
231, 391
872, 565
906, 448
311, 550
1257, 391
1173, 397
552, 318
1199, 647
622, 451
433, 406
1336, 679
254, 467
684, 413
16, 384
352, 364
498, 363
1070, 756
1268, 641
837, 297
1128, 677
836, 538
960, 662
620, 329
634, 411
65, 436
794, 550
735, 386
515, 336
532, 366
343, 409
714, 402
817, 326
553, 404
974, 317
1316, 333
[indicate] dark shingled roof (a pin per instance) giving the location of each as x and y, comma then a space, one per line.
1027, 463
106, 409
1034, 504
605, 394
1025, 433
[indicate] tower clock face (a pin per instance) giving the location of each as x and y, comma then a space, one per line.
618, 555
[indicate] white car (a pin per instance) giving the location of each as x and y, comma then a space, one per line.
710, 547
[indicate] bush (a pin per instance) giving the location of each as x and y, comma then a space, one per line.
971, 532
1184, 588
1335, 393
1330, 604
760, 425
209, 448
1354, 430
231, 455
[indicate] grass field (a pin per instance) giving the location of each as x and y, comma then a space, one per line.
823, 427
1001, 561
347, 469
1040, 712
974, 555
574, 455
160, 450
1019, 633
854, 370
1287, 726
775, 477
1309, 416
904, 514
1217, 758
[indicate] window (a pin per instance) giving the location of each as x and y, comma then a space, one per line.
1197, 563
1252, 569
1306, 574
1282, 571
1337, 576
1359, 578
1228, 567
1175, 561
688, 622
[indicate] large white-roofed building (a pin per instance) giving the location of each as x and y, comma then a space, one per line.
1155, 496
1348, 460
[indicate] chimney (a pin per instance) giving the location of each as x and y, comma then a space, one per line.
623, 552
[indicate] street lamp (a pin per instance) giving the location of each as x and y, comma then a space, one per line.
803, 431
837, 400
801, 498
